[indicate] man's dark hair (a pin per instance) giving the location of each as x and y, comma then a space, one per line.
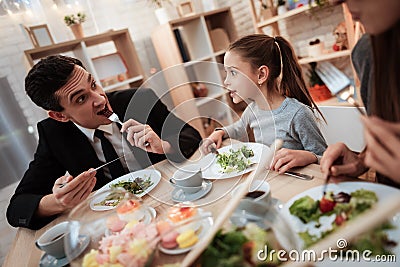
47, 77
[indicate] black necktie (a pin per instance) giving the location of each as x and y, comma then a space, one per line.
116, 168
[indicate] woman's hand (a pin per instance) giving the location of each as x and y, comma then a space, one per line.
215, 139
143, 136
383, 146
338, 160
286, 159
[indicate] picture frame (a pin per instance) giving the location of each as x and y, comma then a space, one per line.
186, 9
40, 35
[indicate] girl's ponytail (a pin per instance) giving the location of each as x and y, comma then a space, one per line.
292, 83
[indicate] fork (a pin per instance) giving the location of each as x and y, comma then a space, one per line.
114, 117
61, 185
338, 83
214, 150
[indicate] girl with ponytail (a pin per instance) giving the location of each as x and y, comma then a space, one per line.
264, 72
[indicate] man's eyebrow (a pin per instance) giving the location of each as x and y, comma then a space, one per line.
89, 79
71, 97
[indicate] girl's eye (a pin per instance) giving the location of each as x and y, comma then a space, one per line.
233, 73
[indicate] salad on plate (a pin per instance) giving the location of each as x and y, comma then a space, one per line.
138, 183
235, 160
324, 215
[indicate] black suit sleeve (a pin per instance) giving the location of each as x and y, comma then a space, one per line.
37, 181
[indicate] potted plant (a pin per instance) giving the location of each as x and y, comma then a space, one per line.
318, 90
163, 11
74, 22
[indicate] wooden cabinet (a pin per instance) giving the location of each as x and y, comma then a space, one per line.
79, 48
191, 49
352, 31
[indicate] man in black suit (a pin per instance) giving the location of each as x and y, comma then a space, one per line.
68, 140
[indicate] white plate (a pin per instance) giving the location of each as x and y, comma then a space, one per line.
212, 170
154, 175
205, 225
381, 191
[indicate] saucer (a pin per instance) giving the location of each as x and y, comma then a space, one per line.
241, 218
49, 261
179, 196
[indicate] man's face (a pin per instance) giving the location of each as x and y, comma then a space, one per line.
82, 100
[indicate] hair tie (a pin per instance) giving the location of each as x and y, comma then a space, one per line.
280, 59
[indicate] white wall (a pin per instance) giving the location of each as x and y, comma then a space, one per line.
136, 15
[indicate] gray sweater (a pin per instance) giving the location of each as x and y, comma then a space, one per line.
293, 122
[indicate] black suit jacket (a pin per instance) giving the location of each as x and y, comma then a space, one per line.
63, 147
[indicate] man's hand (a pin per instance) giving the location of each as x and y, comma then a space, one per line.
338, 160
143, 136
286, 159
74, 192
383, 146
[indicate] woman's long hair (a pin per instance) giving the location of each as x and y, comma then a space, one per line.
278, 55
385, 95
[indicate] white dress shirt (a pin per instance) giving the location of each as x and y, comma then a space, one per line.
113, 134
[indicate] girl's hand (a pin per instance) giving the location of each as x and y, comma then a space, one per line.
215, 139
286, 159
383, 146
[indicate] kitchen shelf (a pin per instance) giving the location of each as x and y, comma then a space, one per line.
285, 15
327, 56
126, 82
219, 53
79, 47
351, 30
189, 39
203, 100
